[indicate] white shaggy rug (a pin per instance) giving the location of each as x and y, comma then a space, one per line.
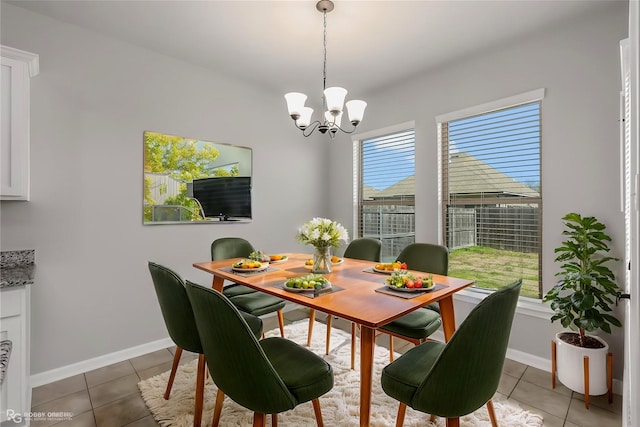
340, 406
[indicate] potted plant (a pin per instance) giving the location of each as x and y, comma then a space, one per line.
582, 301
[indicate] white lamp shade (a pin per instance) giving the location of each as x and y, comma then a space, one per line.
356, 110
305, 117
335, 120
335, 98
295, 102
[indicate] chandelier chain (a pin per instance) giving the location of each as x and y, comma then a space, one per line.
324, 64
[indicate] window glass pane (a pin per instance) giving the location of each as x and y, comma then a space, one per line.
387, 189
491, 197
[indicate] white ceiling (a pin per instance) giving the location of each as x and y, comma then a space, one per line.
278, 44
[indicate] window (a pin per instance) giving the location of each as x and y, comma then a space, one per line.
491, 196
386, 190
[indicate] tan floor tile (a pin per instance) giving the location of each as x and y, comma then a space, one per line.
603, 402
592, 417
121, 412
541, 398
151, 359
155, 370
147, 421
569, 424
507, 384
113, 390
513, 368
86, 419
548, 419
75, 403
543, 379
57, 389
109, 373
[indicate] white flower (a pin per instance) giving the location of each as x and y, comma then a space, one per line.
322, 232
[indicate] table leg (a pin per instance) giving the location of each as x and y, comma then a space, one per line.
367, 340
218, 283
448, 317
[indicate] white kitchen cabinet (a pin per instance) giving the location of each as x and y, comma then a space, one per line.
17, 68
15, 396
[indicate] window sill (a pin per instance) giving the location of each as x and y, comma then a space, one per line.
526, 306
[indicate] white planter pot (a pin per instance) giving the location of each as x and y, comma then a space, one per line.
570, 366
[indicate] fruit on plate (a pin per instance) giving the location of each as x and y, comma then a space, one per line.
391, 266
403, 279
309, 281
247, 263
308, 262
335, 259
277, 257
259, 256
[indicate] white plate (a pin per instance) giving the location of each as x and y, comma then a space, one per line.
264, 266
412, 289
299, 290
286, 258
339, 262
386, 271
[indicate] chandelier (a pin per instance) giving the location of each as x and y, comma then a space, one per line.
333, 99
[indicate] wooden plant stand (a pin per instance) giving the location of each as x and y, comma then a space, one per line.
586, 374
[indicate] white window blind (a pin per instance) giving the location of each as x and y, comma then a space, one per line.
387, 191
491, 197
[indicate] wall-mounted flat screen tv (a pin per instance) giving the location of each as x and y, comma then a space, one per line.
225, 197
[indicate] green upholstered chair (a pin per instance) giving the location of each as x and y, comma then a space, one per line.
454, 379
363, 248
246, 299
268, 376
418, 325
181, 325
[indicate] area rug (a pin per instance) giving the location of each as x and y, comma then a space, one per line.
340, 406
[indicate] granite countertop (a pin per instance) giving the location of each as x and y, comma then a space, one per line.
17, 268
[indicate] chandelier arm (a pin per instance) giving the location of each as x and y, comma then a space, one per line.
306, 132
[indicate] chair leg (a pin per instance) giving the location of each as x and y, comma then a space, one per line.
390, 348
318, 412
259, 420
197, 411
432, 418
218, 408
453, 422
327, 344
274, 420
174, 369
353, 346
281, 323
492, 414
312, 318
402, 409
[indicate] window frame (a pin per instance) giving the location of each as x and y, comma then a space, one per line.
500, 104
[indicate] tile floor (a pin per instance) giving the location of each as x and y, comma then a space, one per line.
109, 397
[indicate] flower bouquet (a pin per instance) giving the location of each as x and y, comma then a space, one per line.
322, 234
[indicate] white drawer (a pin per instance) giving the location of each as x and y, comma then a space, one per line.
11, 301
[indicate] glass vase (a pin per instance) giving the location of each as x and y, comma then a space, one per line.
322, 260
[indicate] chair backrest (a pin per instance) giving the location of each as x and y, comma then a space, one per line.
236, 361
426, 257
467, 372
364, 248
175, 307
230, 247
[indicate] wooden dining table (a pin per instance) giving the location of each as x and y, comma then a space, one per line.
355, 296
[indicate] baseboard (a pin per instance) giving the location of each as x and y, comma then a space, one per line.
83, 366
98, 362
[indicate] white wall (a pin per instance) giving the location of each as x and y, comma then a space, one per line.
92, 101
578, 64
95, 96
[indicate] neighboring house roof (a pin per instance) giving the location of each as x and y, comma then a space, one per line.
467, 176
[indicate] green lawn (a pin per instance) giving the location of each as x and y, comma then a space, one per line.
494, 268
